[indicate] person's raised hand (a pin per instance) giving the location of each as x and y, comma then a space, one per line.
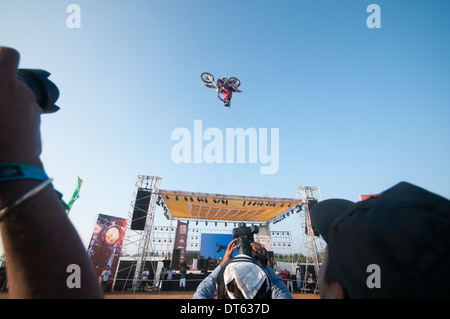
20, 139
230, 250
261, 253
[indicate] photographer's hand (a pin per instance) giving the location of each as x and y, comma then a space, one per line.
39, 241
262, 252
230, 250
20, 139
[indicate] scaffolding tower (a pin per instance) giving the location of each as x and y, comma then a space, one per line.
313, 244
137, 244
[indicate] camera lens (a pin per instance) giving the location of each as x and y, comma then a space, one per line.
46, 91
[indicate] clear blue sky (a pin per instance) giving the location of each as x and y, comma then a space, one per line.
358, 109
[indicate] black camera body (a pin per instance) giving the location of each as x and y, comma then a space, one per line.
45, 91
245, 237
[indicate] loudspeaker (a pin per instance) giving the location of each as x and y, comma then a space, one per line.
176, 259
311, 203
201, 264
212, 264
140, 209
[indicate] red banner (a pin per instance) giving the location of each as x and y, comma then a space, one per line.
364, 197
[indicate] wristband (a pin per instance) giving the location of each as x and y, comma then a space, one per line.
15, 171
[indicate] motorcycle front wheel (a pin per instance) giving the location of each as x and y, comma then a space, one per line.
207, 77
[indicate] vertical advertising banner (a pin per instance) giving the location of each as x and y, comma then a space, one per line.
181, 239
106, 243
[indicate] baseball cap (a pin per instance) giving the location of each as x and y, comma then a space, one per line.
405, 232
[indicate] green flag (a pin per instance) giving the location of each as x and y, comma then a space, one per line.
75, 195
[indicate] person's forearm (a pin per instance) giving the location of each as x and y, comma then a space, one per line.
40, 243
207, 288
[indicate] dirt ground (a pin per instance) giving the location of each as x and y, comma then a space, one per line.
166, 295
180, 295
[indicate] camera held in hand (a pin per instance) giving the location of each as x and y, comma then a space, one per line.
245, 237
46, 91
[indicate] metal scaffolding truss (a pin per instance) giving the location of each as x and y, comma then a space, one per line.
314, 245
137, 245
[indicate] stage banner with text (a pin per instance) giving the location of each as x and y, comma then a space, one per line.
106, 243
181, 239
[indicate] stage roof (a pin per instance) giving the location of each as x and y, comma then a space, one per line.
217, 207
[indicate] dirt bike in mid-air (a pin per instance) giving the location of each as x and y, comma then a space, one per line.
223, 86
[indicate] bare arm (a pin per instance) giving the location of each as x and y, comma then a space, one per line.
39, 240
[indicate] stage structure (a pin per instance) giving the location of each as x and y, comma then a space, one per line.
311, 238
141, 215
197, 207
206, 207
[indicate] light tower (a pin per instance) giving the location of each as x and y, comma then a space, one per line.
313, 244
141, 215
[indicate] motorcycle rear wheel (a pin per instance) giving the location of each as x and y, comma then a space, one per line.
235, 81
